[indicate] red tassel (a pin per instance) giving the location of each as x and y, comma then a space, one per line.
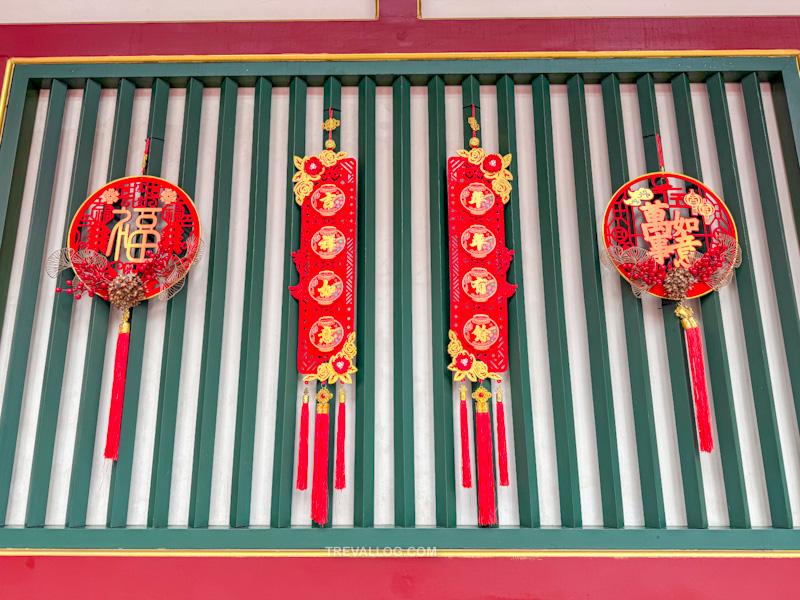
319, 490
697, 367
339, 482
698, 370
118, 389
466, 467
487, 510
502, 448
302, 453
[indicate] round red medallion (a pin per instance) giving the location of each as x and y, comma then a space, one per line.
479, 284
325, 287
327, 199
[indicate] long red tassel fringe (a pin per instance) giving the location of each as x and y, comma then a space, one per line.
466, 467
502, 448
487, 510
697, 367
302, 452
319, 490
339, 481
117, 393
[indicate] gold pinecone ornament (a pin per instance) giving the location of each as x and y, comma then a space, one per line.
126, 291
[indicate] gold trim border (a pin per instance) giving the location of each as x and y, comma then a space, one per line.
440, 553
294, 57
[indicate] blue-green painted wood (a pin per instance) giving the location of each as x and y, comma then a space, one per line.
211, 359
556, 325
60, 320
444, 459
96, 341
364, 494
29, 290
518, 363
403, 351
253, 304
172, 351
600, 369
283, 472
716, 347
763, 393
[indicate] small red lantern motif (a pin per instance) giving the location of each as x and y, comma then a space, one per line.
133, 239
671, 236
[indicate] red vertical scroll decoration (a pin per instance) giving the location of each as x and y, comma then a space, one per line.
478, 189
325, 190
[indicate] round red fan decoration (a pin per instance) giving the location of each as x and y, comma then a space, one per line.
671, 236
133, 239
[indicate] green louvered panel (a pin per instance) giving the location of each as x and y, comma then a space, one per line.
523, 85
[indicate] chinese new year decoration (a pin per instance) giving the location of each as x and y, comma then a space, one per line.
671, 236
133, 239
325, 190
478, 189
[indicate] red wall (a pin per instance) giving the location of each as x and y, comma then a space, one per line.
604, 578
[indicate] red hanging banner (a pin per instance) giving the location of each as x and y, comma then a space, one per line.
478, 189
325, 190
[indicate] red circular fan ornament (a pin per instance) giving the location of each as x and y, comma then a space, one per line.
671, 236
133, 239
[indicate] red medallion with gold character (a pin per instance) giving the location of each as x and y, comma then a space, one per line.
478, 189
325, 190
671, 236
133, 239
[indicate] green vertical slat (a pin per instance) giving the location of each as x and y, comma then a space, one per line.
714, 334
518, 363
211, 359
244, 442
172, 353
641, 394
786, 97
29, 290
773, 223
682, 399
332, 98
556, 326
14, 155
96, 341
285, 417
751, 314
403, 349
364, 501
14, 150
599, 367
444, 459
119, 492
60, 320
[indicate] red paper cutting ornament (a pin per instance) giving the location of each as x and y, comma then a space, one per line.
133, 239
671, 236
